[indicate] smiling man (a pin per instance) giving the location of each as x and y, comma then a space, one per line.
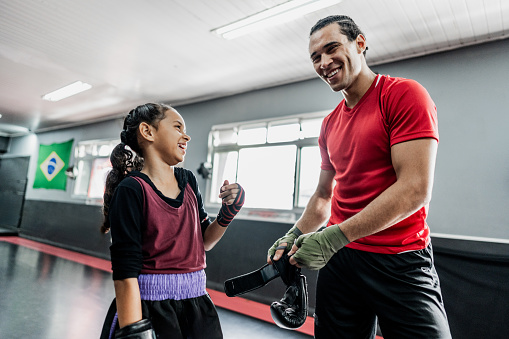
379, 147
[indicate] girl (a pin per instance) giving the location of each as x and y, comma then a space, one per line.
160, 232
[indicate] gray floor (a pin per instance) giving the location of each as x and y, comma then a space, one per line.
241, 327
47, 297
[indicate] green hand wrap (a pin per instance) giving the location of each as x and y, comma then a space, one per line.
288, 238
316, 249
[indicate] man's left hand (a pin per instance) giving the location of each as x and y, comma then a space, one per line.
314, 250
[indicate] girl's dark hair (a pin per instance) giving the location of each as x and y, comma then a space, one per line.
122, 158
347, 26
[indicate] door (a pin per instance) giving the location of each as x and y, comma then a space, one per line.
13, 182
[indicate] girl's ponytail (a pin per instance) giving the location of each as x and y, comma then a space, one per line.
123, 159
122, 162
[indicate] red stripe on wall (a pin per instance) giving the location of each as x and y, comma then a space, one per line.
236, 304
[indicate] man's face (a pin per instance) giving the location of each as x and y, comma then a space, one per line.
335, 59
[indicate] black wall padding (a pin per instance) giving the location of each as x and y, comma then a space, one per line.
71, 226
475, 288
5, 143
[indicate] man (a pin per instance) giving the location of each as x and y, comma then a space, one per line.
379, 146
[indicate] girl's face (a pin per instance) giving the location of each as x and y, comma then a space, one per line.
171, 139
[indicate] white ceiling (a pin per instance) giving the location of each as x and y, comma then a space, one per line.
135, 51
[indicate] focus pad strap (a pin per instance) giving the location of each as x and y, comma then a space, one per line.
288, 272
291, 311
250, 281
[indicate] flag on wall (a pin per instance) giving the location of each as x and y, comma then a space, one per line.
51, 164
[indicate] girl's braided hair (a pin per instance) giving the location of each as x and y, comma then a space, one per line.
123, 159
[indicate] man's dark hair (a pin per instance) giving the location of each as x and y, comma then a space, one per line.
347, 26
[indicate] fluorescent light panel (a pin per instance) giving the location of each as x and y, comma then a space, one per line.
279, 14
67, 91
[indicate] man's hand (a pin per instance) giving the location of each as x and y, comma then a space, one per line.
283, 244
314, 250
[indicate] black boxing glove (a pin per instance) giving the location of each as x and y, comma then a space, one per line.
287, 271
139, 330
291, 311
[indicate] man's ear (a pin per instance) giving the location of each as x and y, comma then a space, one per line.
146, 131
361, 43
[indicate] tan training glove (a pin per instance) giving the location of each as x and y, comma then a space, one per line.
288, 238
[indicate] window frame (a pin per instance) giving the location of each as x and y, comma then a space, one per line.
264, 214
89, 158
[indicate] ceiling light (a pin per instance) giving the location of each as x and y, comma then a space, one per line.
67, 91
279, 14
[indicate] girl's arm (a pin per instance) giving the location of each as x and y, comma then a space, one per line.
232, 196
213, 234
127, 294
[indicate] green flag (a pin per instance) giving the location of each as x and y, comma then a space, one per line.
51, 165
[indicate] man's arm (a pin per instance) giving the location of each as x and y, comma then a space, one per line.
414, 164
317, 210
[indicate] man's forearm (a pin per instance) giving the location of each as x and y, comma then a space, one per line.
396, 203
315, 214
414, 163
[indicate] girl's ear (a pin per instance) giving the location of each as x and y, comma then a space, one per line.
146, 131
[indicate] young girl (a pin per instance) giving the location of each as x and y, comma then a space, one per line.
160, 232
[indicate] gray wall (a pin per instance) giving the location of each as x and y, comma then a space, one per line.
469, 87
29, 146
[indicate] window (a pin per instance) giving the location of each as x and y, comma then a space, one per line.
92, 159
277, 161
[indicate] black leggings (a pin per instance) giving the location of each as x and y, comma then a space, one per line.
401, 290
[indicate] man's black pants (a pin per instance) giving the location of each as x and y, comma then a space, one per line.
401, 290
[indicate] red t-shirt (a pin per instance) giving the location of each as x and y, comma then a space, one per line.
356, 143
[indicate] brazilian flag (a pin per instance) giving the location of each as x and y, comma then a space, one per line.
51, 165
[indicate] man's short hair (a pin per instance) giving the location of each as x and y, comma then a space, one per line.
347, 26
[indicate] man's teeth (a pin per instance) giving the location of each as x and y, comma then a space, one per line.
331, 74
